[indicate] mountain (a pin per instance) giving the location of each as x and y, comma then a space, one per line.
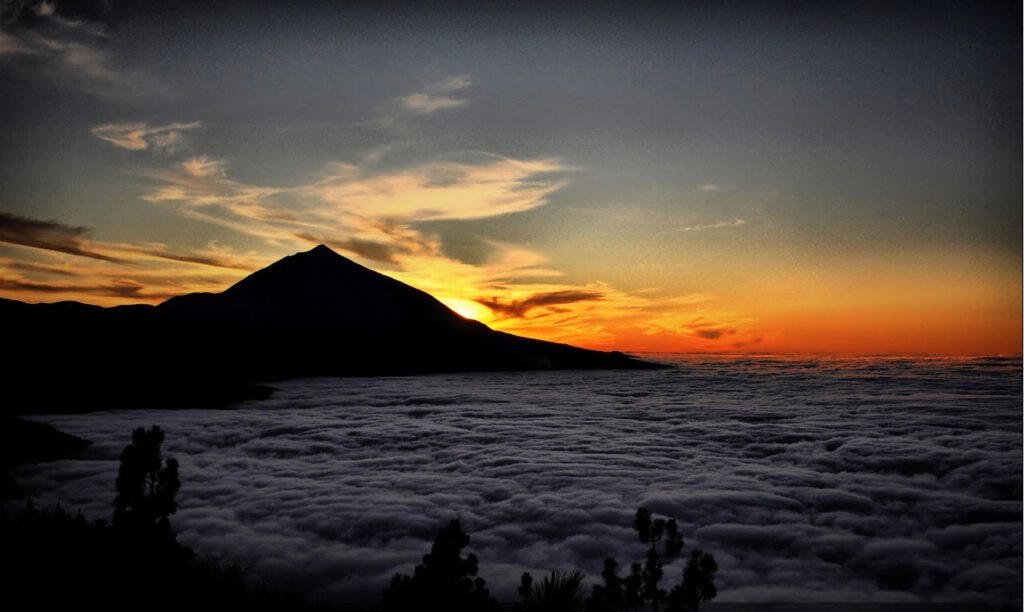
314, 313
319, 291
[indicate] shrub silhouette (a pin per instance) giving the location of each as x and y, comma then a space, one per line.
444, 581
559, 591
664, 543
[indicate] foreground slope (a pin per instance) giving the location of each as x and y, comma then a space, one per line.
310, 314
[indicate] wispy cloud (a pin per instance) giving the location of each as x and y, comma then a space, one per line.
50, 13
709, 226
485, 187
211, 256
117, 288
41, 44
424, 104
372, 250
520, 308
146, 281
11, 45
37, 268
48, 235
355, 209
437, 96
140, 136
452, 83
204, 167
57, 237
47, 260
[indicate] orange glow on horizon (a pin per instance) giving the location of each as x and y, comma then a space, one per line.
870, 310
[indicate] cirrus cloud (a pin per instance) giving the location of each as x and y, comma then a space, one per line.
718, 224
48, 235
140, 136
520, 308
66, 45
435, 97
444, 190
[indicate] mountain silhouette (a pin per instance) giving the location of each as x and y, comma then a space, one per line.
319, 291
314, 313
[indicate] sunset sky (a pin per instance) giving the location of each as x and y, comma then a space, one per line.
708, 177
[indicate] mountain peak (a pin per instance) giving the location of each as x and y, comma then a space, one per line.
320, 250
319, 253
321, 290
317, 269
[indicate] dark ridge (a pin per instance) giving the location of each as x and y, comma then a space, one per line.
310, 314
24, 442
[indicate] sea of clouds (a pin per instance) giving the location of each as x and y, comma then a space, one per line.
839, 480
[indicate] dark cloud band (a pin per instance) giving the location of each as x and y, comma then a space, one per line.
48, 235
520, 308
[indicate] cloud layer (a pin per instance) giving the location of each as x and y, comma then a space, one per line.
810, 480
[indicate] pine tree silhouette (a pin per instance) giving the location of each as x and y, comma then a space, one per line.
698, 583
651, 532
444, 581
146, 483
525, 589
664, 544
53, 560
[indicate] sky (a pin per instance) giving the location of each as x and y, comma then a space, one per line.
768, 177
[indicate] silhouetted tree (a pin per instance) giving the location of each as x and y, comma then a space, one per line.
617, 593
652, 532
54, 561
444, 581
609, 595
698, 583
146, 483
632, 594
525, 589
664, 543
